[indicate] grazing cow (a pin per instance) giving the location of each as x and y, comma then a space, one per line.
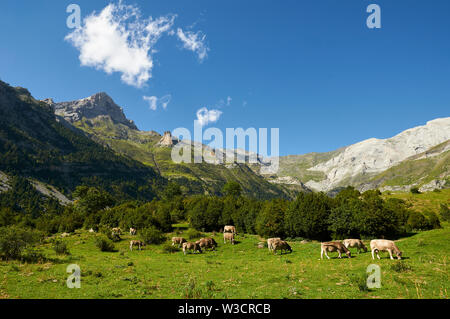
334, 246
91, 230
191, 246
178, 240
281, 245
229, 237
352, 243
207, 243
138, 243
270, 242
377, 245
230, 229
116, 231
133, 231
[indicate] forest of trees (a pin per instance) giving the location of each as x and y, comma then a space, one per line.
310, 216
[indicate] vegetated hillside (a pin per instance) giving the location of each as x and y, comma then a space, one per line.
36, 144
298, 165
200, 178
428, 170
415, 157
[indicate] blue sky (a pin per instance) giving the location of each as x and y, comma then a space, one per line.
311, 68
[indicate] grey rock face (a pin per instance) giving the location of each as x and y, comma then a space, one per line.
168, 140
99, 104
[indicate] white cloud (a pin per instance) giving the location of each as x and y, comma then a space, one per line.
195, 42
118, 39
229, 99
205, 116
154, 101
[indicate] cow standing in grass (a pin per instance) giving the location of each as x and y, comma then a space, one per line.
138, 243
191, 246
207, 243
281, 245
333, 246
271, 241
352, 243
178, 241
133, 231
377, 245
230, 229
229, 237
116, 231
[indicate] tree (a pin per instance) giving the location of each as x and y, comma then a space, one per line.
232, 189
171, 191
308, 215
270, 221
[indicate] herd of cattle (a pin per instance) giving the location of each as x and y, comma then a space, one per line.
277, 244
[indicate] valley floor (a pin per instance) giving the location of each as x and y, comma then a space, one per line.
239, 271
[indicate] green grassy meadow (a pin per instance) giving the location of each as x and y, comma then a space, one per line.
239, 271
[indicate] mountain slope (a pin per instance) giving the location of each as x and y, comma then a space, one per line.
36, 144
107, 125
398, 161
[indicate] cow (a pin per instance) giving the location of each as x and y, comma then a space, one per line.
116, 231
178, 240
191, 246
138, 243
229, 237
230, 229
377, 245
334, 246
270, 242
133, 231
352, 243
281, 245
207, 243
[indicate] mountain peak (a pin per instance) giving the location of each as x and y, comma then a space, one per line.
96, 105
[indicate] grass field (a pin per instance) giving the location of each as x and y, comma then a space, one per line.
239, 271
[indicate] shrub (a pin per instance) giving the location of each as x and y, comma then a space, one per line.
359, 280
14, 241
193, 234
445, 213
152, 235
104, 244
400, 266
168, 248
415, 190
60, 247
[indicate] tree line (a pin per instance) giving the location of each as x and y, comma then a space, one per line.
314, 216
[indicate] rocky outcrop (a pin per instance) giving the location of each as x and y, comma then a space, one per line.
4, 186
97, 105
376, 155
167, 140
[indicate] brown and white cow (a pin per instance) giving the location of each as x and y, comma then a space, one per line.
355, 243
230, 229
281, 245
191, 246
138, 243
116, 231
270, 242
133, 231
207, 243
178, 241
229, 237
332, 246
377, 245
